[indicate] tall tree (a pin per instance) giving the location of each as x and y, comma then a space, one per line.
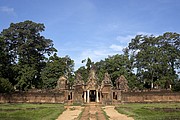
26, 49
155, 58
84, 73
116, 66
5, 68
84, 70
56, 67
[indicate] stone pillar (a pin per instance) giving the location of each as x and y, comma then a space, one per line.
97, 96
100, 96
152, 85
87, 96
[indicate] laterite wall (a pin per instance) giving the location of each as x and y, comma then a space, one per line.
150, 96
62, 97
31, 97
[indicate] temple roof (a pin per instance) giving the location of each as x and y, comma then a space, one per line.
122, 83
78, 80
92, 80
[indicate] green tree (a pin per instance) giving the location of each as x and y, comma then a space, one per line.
116, 66
5, 85
101, 69
155, 58
26, 77
170, 45
84, 73
56, 67
84, 70
25, 48
6, 66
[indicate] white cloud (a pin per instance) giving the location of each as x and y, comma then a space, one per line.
7, 10
124, 39
143, 33
116, 47
99, 51
95, 55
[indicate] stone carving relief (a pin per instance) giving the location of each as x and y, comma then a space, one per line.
92, 79
106, 80
62, 83
121, 83
78, 80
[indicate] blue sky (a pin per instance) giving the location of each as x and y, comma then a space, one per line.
93, 28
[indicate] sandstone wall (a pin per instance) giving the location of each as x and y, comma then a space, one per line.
150, 96
30, 97
62, 97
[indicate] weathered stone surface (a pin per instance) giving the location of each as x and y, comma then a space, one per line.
106, 89
92, 80
62, 83
150, 96
27, 97
78, 89
126, 97
91, 91
122, 83
106, 80
78, 80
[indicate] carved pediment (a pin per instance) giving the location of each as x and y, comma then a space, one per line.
122, 83
62, 83
78, 80
106, 80
92, 80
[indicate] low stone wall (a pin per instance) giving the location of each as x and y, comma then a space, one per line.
62, 97
31, 97
150, 96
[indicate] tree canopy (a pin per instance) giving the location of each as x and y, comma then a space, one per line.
24, 50
156, 58
29, 60
56, 67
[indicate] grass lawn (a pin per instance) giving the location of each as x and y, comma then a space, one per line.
30, 111
151, 111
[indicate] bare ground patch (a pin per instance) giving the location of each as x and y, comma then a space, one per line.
71, 113
93, 112
114, 115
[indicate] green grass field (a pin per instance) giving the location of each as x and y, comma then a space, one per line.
30, 111
151, 111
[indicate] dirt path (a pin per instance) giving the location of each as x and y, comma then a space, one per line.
114, 115
92, 112
71, 113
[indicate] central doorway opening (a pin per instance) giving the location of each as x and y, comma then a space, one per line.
92, 95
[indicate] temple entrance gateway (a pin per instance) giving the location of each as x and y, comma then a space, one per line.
94, 91
92, 95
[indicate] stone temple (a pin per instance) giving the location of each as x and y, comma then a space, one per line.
92, 90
